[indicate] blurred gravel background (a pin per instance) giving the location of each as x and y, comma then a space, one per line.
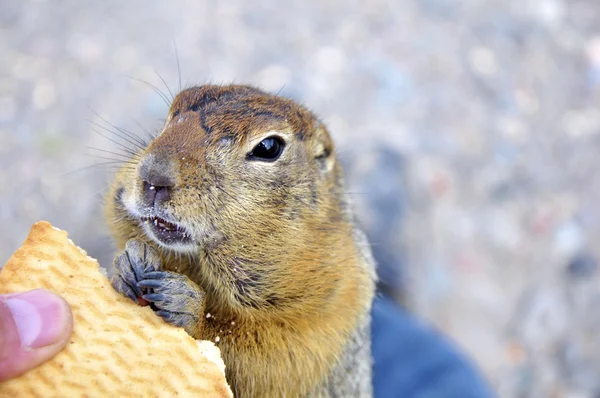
470, 130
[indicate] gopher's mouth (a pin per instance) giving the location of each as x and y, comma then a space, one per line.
165, 231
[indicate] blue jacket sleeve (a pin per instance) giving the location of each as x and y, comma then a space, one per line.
413, 360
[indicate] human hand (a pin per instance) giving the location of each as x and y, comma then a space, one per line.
34, 326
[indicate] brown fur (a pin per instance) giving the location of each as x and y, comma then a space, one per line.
286, 284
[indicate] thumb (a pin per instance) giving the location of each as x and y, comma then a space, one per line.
34, 326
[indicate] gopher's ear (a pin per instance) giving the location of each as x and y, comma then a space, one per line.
322, 148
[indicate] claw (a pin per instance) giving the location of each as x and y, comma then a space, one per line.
131, 265
156, 275
124, 288
172, 296
132, 296
149, 283
175, 319
135, 253
170, 317
127, 272
154, 297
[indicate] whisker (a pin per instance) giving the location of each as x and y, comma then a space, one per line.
116, 160
115, 164
226, 193
126, 149
145, 130
165, 84
128, 157
101, 191
128, 133
178, 66
153, 87
345, 193
113, 132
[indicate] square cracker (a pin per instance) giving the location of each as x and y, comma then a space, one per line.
117, 349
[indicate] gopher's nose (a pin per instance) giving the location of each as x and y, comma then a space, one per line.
157, 181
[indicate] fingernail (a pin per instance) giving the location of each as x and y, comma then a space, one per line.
40, 317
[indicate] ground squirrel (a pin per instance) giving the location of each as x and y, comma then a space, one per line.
234, 225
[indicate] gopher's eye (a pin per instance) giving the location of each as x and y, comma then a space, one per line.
267, 150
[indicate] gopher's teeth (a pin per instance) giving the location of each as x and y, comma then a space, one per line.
165, 226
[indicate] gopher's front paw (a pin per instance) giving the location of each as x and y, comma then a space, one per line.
175, 298
130, 266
